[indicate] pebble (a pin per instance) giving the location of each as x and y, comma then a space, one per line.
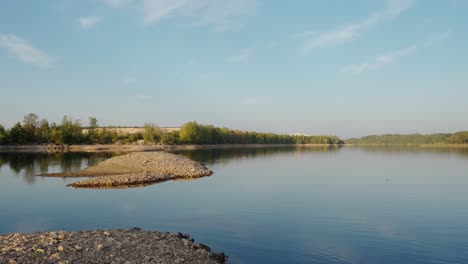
186, 242
135, 246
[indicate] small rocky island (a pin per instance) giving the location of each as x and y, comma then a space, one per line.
122, 246
137, 169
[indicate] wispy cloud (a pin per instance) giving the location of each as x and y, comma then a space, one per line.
219, 14
24, 51
351, 31
241, 56
88, 22
379, 61
436, 39
391, 57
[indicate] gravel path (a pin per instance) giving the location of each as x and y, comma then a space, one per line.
105, 246
137, 169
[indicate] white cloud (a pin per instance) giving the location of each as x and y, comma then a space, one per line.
24, 51
219, 14
392, 57
351, 31
155, 10
436, 39
242, 56
379, 61
88, 22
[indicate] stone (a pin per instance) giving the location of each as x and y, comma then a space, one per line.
78, 248
186, 242
130, 246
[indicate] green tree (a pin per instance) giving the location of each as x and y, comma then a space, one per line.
189, 133
70, 131
30, 123
150, 133
43, 131
93, 130
170, 138
104, 136
54, 134
3, 135
93, 122
458, 138
16, 134
115, 137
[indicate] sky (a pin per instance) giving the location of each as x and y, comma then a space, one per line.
336, 67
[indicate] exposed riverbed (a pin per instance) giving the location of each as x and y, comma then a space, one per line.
137, 169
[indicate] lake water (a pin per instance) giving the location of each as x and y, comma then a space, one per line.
275, 205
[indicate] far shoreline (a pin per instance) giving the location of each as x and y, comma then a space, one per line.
409, 145
39, 148
43, 148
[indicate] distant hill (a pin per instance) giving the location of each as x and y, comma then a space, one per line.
411, 139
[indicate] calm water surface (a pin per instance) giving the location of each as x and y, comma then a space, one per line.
285, 205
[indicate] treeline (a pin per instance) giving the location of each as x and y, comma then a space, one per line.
194, 133
411, 139
39, 131
458, 138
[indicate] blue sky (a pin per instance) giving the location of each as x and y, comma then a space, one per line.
348, 68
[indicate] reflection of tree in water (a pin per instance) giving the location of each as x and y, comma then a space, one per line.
21, 162
28, 165
463, 151
224, 155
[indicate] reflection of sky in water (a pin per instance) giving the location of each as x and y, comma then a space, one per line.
287, 205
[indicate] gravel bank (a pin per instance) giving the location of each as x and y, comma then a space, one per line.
101, 246
137, 169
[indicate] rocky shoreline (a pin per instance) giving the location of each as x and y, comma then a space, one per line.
121, 246
137, 169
